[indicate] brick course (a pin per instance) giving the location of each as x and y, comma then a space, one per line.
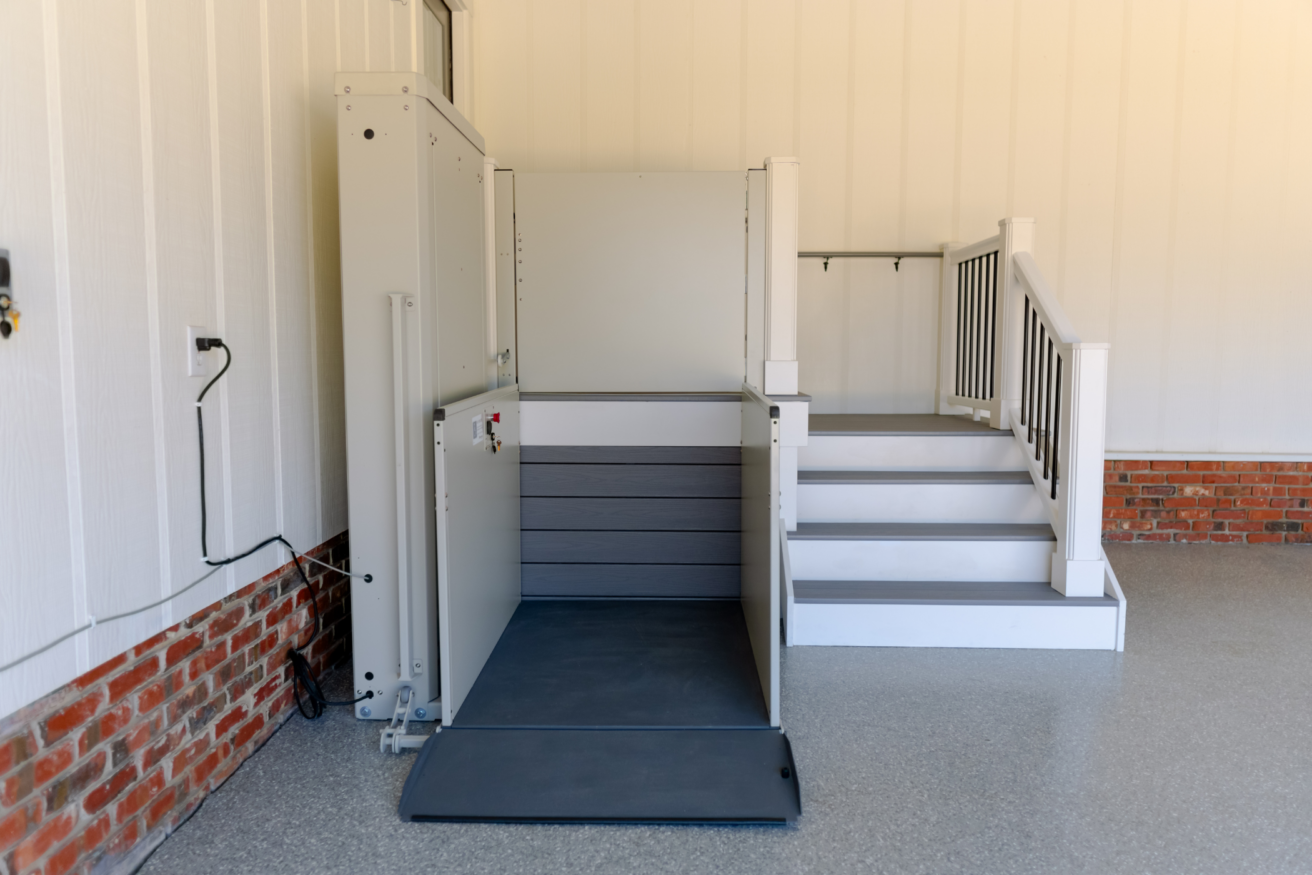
124, 753
1207, 502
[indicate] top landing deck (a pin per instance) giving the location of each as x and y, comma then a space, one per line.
899, 424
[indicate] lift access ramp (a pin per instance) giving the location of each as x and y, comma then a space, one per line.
609, 710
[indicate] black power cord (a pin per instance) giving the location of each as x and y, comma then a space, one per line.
303, 677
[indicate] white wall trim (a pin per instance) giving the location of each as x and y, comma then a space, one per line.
1208, 457
64, 306
150, 236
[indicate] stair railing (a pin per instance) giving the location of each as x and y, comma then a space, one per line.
970, 372
1001, 321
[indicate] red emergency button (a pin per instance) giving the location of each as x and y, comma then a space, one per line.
496, 417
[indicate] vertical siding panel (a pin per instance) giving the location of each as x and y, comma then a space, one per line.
294, 318
1295, 291
107, 281
664, 107
716, 80
876, 120
555, 111
771, 44
378, 34
1142, 271
822, 333
1040, 121
985, 119
822, 149
1197, 246
608, 86
36, 584
1257, 369
930, 116
501, 92
1089, 181
184, 227
324, 36
352, 34
245, 391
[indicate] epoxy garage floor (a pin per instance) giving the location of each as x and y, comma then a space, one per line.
1191, 753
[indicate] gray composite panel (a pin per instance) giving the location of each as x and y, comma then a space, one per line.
635, 514
631, 455
952, 592
922, 532
633, 581
902, 424
630, 522
663, 548
630, 481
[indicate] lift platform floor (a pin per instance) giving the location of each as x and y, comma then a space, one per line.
611, 711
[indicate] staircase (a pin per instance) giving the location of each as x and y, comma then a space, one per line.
928, 531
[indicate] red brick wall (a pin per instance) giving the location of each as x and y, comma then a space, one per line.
103, 769
1208, 502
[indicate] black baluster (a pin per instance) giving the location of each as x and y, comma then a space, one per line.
1024, 361
1047, 408
961, 317
1034, 366
993, 325
1056, 428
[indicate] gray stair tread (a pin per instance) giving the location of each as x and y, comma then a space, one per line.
905, 424
942, 478
951, 592
922, 532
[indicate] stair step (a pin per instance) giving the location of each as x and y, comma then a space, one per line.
922, 532
937, 592
903, 424
906, 442
1068, 624
922, 551
928, 478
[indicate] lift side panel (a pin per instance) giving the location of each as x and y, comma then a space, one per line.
760, 539
504, 180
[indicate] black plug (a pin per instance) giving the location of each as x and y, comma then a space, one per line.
207, 343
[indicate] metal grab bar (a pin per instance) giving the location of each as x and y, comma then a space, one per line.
896, 256
400, 305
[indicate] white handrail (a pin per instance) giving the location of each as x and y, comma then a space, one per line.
998, 313
1031, 280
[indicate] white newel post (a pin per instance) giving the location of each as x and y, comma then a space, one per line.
947, 334
781, 276
490, 271
1014, 235
1077, 565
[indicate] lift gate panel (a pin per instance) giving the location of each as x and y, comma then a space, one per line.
476, 489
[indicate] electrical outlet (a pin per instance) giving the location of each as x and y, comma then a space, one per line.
197, 361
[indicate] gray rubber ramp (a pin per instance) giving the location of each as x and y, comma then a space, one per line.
623, 663
720, 776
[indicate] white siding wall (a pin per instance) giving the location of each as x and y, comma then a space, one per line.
1161, 144
165, 164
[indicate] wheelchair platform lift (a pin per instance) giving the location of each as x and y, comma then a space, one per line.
563, 473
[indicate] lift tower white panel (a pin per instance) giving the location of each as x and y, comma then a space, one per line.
413, 312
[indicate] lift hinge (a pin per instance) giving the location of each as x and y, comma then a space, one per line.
394, 736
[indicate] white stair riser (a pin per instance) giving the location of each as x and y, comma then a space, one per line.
1013, 626
920, 503
910, 453
921, 560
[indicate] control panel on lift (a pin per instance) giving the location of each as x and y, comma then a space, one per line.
484, 431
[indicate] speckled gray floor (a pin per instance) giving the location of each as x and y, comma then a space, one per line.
1189, 753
